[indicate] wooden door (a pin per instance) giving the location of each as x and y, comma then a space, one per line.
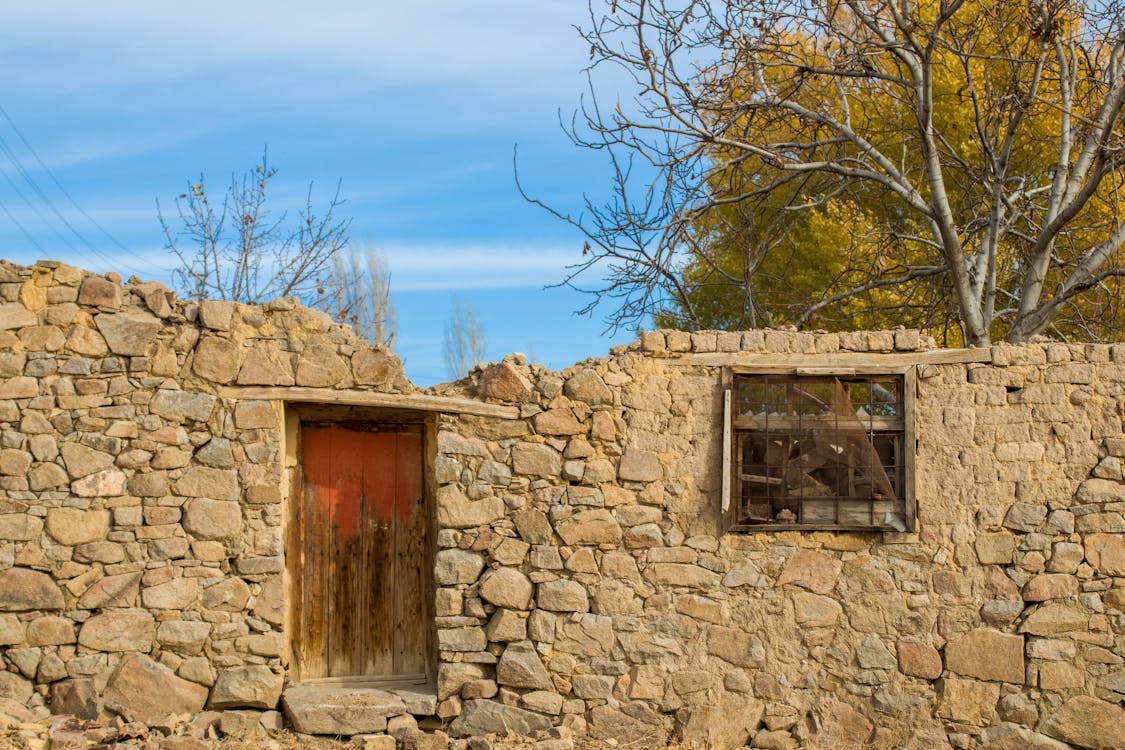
360, 536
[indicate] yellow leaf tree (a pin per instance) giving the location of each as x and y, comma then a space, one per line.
947, 164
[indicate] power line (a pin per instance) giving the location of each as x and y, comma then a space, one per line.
14, 159
59, 185
16, 189
21, 227
8, 152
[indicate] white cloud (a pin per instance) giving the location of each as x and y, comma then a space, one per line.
453, 266
121, 43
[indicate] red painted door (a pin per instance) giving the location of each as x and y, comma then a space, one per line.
359, 580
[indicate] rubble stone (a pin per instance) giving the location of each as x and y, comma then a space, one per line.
149, 691
130, 630
254, 686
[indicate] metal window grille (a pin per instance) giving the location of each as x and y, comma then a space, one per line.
819, 451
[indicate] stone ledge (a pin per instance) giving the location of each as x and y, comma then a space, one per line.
350, 710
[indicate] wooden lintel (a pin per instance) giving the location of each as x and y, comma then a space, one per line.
419, 402
845, 361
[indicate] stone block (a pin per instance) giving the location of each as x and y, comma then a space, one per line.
1057, 675
996, 548
19, 387
266, 364
254, 415
462, 639
596, 526
205, 482
179, 593
481, 717
506, 587
320, 365
505, 626
23, 589
1088, 722
14, 462
128, 333
183, 636
589, 387
108, 483
149, 691
640, 466
562, 596
557, 422
968, 701
987, 654
916, 659
229, 595
456, 566
1050, 619
813, 610
12, 630
19, 527
533, 526
1047, 586
13, 315
129, 630
74, 526
50, 631
1025, 517
521, 667
371, 367
216, 314
209, 519
76, 698
811, 570
255, 686
112, 591
726, 725
216, 359
1106, 553
97, 291
735, 646
269, 604
457, 511
316, 709
536, 459
607, 723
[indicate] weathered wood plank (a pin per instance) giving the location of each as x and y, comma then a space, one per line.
859, 362
344, 627
312, 634
294, 545
419, 402
829, 423
380, 578
411, 604
361, 555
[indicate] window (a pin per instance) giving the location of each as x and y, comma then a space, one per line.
825, 451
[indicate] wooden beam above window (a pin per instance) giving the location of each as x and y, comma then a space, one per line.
832, 363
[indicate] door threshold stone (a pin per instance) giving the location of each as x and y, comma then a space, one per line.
354, 709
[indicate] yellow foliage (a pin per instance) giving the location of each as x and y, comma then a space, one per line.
764, 257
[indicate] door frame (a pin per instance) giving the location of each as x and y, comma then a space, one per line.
294, 415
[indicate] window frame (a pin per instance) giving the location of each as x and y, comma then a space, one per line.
732, 500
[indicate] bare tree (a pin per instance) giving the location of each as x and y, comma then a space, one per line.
990, 132
237, 249
464, 339
358, 292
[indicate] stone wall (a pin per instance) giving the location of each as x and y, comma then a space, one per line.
141, 515
582, 576
609, 598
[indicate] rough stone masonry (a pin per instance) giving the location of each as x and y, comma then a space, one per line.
581, 577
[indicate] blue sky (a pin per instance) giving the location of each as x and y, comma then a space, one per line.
415, 107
